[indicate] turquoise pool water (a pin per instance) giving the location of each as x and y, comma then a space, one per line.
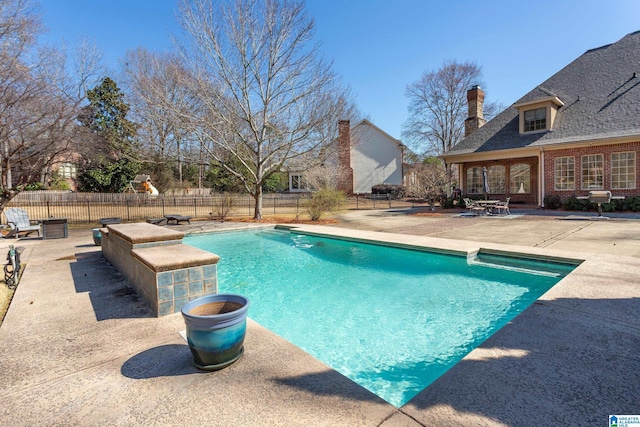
392, 320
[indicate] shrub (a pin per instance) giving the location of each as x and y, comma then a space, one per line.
575, 204
34, 186
632, 204
222, 205
451, 202
552, 202
323, 201
614, 206
396, 191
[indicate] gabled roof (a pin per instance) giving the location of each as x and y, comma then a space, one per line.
368, 123
600, 91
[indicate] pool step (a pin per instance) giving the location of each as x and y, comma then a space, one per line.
524, 265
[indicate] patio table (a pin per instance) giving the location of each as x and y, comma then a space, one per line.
487, 204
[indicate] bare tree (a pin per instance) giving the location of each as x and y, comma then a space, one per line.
326, 177
38, 103
268, 97
426, 179
438, 106
163, 104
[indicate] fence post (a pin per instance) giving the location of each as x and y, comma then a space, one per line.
128, 213
89, 210
374, 200
48, 210
389, 198
195, 206
163, 206
357, 200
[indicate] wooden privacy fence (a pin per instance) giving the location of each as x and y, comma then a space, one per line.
90, 207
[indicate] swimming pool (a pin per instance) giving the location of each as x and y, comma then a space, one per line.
392, 320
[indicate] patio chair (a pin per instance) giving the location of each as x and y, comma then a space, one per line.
474, 207
503, 207
19, 223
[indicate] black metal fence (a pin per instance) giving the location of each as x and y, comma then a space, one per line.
90, 207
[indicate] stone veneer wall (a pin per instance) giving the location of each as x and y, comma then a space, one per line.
165, 273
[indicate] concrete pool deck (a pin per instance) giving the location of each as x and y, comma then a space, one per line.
78, 348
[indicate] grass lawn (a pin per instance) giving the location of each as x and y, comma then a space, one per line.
5, 299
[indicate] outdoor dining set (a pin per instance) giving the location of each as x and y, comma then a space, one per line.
488, 207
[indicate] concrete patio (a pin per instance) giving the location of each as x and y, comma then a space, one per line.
79, 348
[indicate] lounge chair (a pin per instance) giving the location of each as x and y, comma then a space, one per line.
19, 223
502, 207
111, 220
177, 218
156, 221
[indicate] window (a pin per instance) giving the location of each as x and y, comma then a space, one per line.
298, 182
537, 115
520, 179
67, 170
592, 172
623, 171
474, 180
535, 119
497, 178
564, 173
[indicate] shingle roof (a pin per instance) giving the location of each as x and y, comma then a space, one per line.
601, 95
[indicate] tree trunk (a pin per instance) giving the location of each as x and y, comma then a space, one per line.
258, 205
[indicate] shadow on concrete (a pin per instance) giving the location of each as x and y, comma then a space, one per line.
88, 245
330, 383
163, 361
555, 364
110, 294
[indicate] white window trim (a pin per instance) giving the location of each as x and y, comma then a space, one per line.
635, 170
582, 186
301, 178
551, 103
573, 188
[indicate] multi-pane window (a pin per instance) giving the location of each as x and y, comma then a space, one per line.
623, 171
520, 178
592, 172
67, 170
535, 119
497, 177
298, 182
474, 180
564, 173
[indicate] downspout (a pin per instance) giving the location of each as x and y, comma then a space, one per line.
541, 180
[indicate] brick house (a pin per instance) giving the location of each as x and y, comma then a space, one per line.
575, 132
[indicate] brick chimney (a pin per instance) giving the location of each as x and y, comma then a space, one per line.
345, 178
475, 100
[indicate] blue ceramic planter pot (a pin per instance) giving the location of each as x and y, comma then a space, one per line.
97, 236
216, 326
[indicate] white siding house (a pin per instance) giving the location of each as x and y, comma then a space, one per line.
365, 155
376, 157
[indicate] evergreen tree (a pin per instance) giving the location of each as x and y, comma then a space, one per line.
112, 166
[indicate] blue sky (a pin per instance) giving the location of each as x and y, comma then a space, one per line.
380, 46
